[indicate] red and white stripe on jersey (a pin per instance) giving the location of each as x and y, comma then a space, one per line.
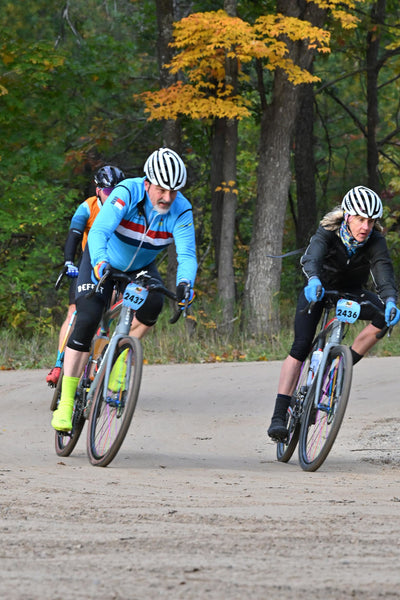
137, 232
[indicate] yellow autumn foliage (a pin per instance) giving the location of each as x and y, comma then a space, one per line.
205, 41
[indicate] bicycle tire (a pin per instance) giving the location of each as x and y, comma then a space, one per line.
109, 419
322, 420
285, 450
65, 441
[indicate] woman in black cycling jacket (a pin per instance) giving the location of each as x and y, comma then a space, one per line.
347, 247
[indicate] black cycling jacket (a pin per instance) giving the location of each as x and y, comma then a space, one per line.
326, 258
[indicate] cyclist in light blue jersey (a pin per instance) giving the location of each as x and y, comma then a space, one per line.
139, 219
105, 178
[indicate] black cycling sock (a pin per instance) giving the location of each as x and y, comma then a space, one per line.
356, 357
282, 403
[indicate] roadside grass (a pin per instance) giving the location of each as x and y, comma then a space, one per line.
168, 343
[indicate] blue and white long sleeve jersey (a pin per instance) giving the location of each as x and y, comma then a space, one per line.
80, 217
128, 233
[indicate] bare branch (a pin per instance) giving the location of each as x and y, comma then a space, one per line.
65, 17
349, 112
333, 81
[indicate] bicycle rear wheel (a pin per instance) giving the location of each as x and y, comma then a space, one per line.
112, 412
323, 414
284, 450
65, 441
57, 392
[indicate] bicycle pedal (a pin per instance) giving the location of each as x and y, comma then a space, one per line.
279, 440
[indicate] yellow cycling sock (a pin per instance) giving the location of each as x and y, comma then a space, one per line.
62, 417
68, 388
116, 383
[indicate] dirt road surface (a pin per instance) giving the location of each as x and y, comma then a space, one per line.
195, 506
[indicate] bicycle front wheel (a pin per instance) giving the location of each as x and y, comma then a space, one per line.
65, 441
284, 450
112, 408
325, 408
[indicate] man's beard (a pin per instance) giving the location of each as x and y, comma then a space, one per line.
162, 211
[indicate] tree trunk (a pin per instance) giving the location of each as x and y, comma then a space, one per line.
304, 148
276, 133
263, 276
306, 217
216, 178
171, 128
226, 275
372, 56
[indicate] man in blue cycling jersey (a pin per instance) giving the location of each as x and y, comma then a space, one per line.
105, 178
347, 247
139, 219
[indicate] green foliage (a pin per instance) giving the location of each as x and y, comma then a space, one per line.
66, 105
67, 86
34, 219
172, 343
341, 106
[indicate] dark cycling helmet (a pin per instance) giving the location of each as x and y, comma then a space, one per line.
108, 176
165, 168
362, 201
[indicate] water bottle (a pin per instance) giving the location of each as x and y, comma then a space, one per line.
100, 343
314, 364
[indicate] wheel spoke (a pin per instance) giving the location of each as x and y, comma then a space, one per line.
285, 449
112, 409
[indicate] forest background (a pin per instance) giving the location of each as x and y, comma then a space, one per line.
277, 107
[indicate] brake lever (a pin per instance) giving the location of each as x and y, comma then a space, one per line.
310, 307
388, 328
60, 276
313, 303
186, 301
385, 330
96, 289
175, 317
181, 310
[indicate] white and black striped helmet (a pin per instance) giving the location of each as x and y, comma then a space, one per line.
165, 168
108, 176
362, 201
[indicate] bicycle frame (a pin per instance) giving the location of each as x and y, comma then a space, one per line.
334, 332
103, 355
318, 404
122, 330
125, 318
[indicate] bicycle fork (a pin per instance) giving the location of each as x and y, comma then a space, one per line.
332, 383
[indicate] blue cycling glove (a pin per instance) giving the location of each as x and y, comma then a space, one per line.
181, 291
72, 270
311, 290
391, 318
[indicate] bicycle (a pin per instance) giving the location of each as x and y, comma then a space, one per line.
108, 389
62, 273
320, 398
